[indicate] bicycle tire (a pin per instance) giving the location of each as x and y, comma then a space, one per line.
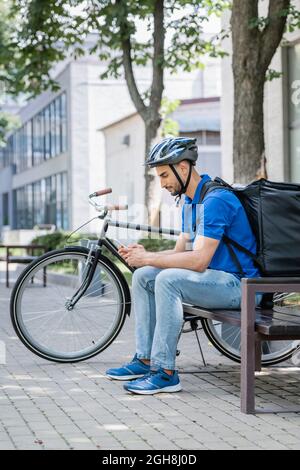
103, 261
234, 353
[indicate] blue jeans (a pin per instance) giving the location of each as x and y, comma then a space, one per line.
157, 296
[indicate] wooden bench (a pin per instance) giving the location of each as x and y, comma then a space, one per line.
256, 325
19, 259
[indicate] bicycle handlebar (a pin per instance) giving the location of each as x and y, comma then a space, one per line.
117, 207
101, 192
107, 207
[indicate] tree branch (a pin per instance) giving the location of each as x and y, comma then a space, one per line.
242, 35
130, 80
128, 69
158, 56
273, 31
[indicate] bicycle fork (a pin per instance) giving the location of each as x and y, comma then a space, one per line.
91, 268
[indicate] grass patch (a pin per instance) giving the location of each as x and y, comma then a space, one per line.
126, 273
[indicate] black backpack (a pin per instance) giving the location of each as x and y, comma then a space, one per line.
273, 210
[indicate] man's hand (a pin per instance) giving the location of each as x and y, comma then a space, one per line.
134, 255
137, 257
137, 246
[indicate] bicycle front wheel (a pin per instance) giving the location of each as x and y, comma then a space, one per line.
41, 313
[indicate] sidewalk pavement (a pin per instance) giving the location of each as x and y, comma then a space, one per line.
44, 405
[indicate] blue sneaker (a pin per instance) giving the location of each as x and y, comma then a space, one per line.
155, 382
133, 370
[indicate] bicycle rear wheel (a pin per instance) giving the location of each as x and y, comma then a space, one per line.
227, 339
40, 309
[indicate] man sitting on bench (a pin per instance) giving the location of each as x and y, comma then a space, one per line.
205, 275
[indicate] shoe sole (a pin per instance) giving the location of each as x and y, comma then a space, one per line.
171, 389
125, 377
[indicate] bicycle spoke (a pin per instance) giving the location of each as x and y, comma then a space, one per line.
44, 315
91, 294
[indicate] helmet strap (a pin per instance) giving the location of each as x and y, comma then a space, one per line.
184, 186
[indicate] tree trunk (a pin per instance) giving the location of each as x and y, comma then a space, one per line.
248, 133
150, 114
253, 49
153, 119
152, 193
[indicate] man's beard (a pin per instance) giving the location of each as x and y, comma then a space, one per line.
176, 191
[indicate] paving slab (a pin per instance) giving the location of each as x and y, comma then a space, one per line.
46, 405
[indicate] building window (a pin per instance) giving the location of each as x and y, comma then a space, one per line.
52, 128
64, 192
63, 122
20, 208
38, 207
204, 137
41, 138
47, 133
5, 209
28, 144
43, 202
57, 126
51, 199
38, 138
212, 138
294, 111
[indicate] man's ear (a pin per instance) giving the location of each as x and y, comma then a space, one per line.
183, 166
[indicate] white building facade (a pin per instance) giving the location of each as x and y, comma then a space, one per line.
58, 156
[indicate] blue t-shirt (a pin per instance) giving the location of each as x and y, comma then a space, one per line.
220, 213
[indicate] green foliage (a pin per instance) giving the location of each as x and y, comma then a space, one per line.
292, 19
170, 127
292, 23
259, 22
47, 30
217, 7
187, 46
59, 239
7, 51
52, 241
157, 244
272, 74
8, 123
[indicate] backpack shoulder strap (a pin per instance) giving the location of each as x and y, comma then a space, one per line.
228, 241
211, 185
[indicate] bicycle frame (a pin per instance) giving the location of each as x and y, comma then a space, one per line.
106, 242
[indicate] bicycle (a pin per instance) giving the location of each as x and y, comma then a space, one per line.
70, 304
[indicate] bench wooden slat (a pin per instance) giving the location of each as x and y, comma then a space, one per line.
21, 259
268, 321
228, 316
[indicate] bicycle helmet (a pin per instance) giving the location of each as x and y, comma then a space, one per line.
173, 150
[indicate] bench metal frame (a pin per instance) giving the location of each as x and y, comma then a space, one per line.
250, 339
256, 326
21, 259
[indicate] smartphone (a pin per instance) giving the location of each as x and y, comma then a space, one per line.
119, 244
